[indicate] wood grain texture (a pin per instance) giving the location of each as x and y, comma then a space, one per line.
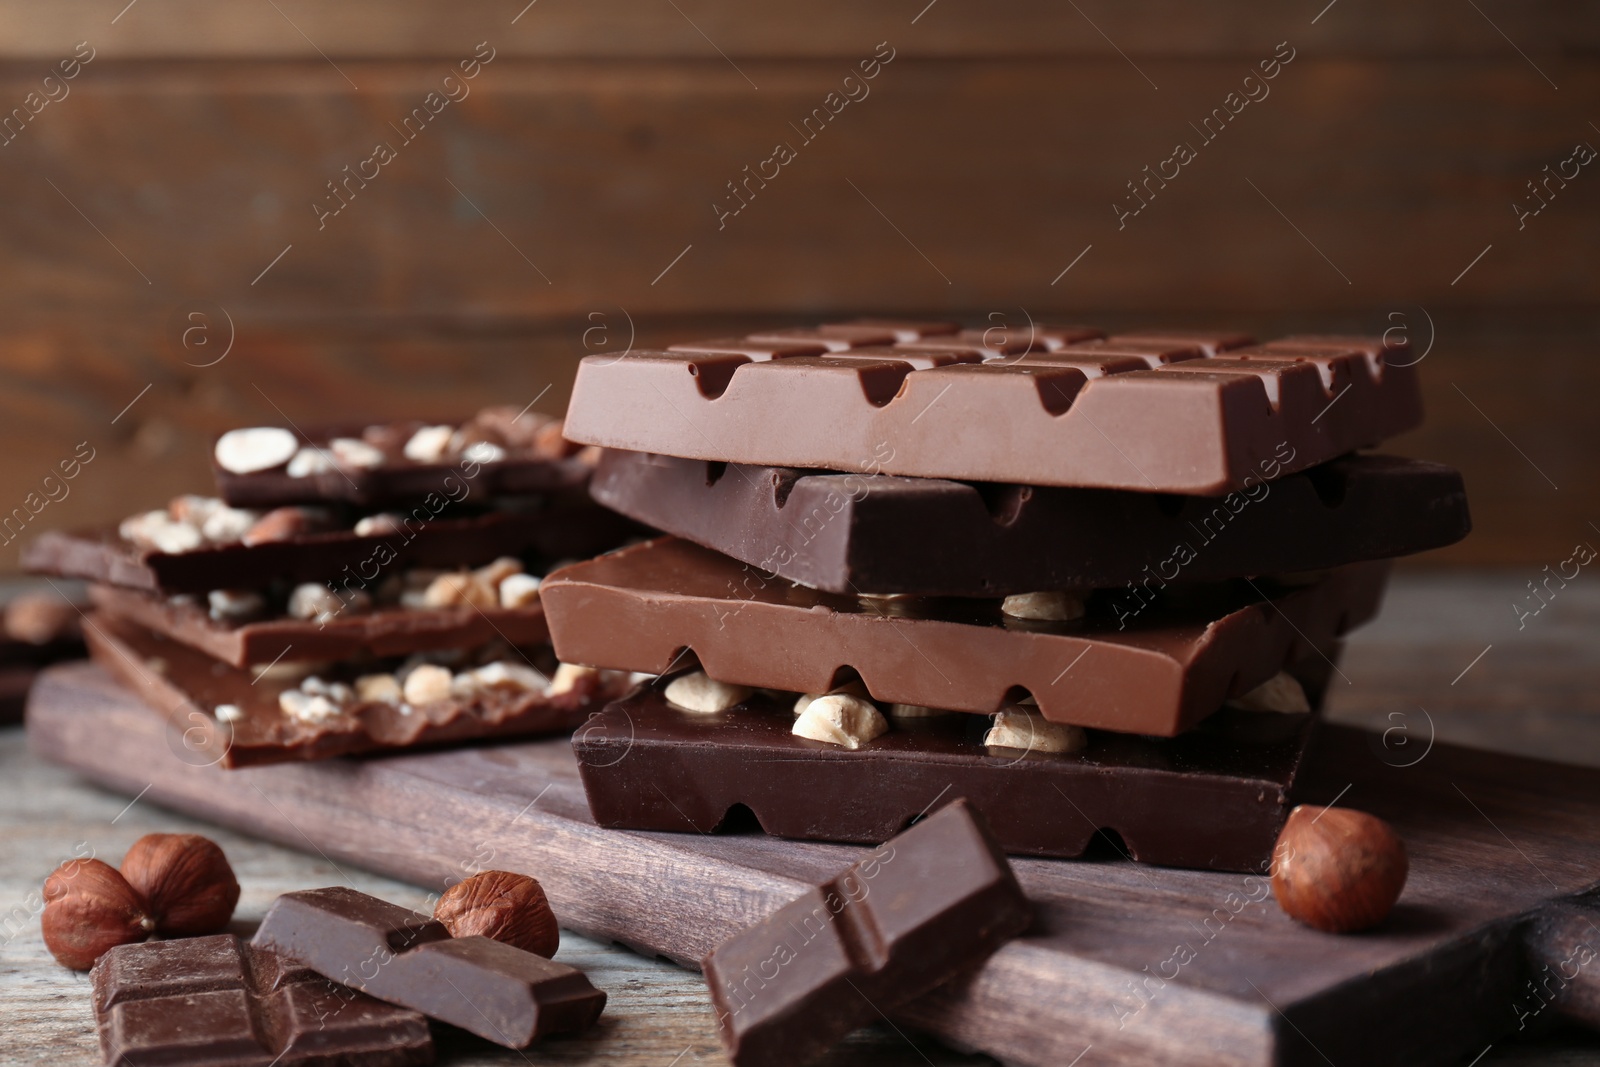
1442, 980
236, 28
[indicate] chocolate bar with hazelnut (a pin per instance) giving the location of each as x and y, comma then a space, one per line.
327, 546
878, 533
924, 907
219, 1002
1147, 666
498, 451
347, 630
236, 718
500, 992
1212, 798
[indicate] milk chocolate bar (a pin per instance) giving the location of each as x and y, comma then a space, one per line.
497, 991
496, 452
216, 1002
1212, 798
390, 630
849, 533
237, 718
1151, 669
1138, 412
926, 906
549, 527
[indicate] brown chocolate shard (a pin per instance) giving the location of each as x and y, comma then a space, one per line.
497, 991
1147, 667
1211, 416
921, 909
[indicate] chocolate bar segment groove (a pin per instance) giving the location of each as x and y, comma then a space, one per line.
848, 533
216, 1002
1213, 798
1203, 425
1176, 661
501, 993
928, 905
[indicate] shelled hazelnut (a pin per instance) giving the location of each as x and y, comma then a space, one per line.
1337, 870
502, 906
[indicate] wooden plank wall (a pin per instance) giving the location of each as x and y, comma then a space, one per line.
580, 179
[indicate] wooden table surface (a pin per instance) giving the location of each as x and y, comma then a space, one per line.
1417, 673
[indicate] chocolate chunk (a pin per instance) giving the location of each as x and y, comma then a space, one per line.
1152, 670
884, 534
921, 909
215, 1002
226, 716
1212, 798
1175, 413
495, 453
499, 992
552, 527
388, 631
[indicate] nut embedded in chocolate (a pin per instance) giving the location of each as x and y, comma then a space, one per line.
254, 449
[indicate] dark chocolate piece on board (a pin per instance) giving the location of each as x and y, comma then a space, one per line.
552, 527
862, 533
217, 1002
1213, 798
497, 991
1165, 412
385, 631
222, 715
1144, 666
923, 908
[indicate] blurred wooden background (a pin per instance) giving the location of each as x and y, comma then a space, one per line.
565, 205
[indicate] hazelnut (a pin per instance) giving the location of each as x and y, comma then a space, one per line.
570, 677
1056, 606
429, 444
702, 694
1017, 727
492, 574
1281, 692
378, 689
351, 452
547, 441
855, 687
504, 907
158, 531
483, 452
258, 448
841, 719
462, 587
915, 711
427, 684
90, 909
280, 524
225, 525
39, 618
307, 707
503, 674
187, 881
235, 605
519, 591
308, 461
507, 425
383, 524
1337, 870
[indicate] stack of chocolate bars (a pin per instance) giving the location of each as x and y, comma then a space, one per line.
350, 590
1096, 585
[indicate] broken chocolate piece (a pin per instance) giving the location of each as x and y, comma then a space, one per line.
235, 718
849, 533
1213, 798
1181, 413
216, 1002
497, 991
1146, 667
921, 909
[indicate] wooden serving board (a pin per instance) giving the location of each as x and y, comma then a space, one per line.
1141, 965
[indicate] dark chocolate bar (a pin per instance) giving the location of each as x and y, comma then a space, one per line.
216, 1002
1212, 798
497, 452
862, 533
1180, 655
551, 527
40, 627
384, 631
925, 907
237, 718
1140, 412
497, 991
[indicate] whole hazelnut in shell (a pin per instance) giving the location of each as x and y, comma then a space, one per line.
503, 906
90, 909
190, 887
1337, 870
